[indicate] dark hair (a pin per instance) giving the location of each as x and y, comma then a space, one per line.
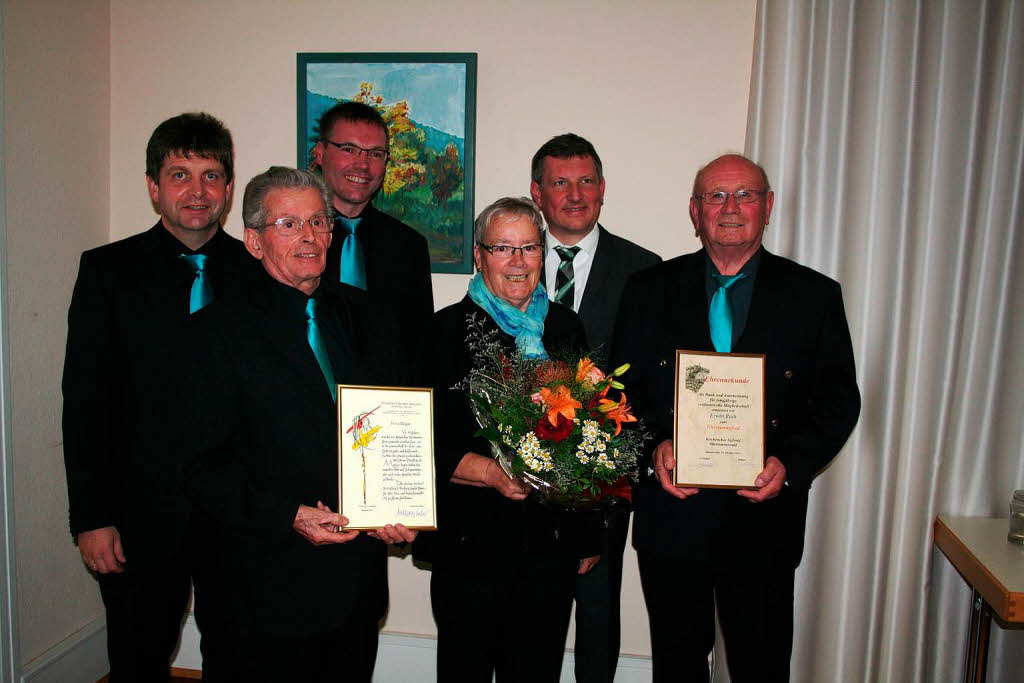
564, 146
254, 213
353, 112
190, 135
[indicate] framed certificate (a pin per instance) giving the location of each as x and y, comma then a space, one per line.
719, 419
386, 456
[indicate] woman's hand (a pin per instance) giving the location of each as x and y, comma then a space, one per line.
477, 470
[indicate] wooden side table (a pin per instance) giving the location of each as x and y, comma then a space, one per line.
994, 569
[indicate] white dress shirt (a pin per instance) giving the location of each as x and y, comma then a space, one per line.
580, 265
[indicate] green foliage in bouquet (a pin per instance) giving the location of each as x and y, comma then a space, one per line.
551, 423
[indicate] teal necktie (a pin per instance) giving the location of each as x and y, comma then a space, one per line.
202, 292
565, 277
720, 313
316, 342
353, 267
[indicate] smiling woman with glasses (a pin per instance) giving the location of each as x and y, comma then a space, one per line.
497, 547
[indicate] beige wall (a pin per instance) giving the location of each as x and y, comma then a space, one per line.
633, 78
57, 153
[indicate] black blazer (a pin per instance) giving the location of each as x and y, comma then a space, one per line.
615, 260
125, 324
479, 530
262, 439
397, 268
812, 403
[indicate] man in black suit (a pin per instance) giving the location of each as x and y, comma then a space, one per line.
586, 268
371, 250
299, 597
737, 548
127, 317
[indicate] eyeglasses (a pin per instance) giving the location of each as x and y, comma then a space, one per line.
504, 252
354, 151
741, 196
291, 225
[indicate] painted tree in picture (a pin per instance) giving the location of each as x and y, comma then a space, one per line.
424, 185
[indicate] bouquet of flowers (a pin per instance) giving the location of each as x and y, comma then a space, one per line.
551, 423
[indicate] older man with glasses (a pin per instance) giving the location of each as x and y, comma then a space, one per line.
738, 549
299, 597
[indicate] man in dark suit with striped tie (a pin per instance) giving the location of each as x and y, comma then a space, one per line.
130, 306
586, 268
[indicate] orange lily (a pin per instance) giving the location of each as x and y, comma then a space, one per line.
587, 373
560, 402
620, 412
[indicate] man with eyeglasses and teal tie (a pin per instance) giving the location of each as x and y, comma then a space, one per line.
371, 250
586, 268
737, 549
299, 596
131, 303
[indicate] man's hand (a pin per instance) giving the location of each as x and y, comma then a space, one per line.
320, 526
394, 533
769, 482
588, 563
101, 550
664, 463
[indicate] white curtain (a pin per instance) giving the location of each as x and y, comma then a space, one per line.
893, 134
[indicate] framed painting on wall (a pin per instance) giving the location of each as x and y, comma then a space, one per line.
428, 101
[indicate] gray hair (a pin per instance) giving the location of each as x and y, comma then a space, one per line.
509, 208
254, 213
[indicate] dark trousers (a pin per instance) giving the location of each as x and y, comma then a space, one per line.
511, 624
597, 604
755, 609
246, 651
144, 613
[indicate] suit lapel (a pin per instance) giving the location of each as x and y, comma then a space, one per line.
285, 335
764, 302
594, 293
160, 300
690, 307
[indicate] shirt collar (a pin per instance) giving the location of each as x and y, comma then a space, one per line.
587, 245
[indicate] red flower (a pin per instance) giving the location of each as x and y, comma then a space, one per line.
559, 432
620, 487
554, 371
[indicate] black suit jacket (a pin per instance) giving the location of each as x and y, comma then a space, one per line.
480, 532
614, 261
397, 268
262, 440
812, 403
125, 325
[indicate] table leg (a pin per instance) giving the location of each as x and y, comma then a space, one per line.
977, 639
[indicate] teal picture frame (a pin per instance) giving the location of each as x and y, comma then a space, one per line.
429, 102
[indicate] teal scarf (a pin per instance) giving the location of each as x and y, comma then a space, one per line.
527, 328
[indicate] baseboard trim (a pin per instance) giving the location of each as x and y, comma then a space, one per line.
81, 656
405, 657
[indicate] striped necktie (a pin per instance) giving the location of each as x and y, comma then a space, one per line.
202, 292
564, 290
316, 342
720, 313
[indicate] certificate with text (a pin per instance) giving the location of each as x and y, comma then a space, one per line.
386, 456
719, 419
